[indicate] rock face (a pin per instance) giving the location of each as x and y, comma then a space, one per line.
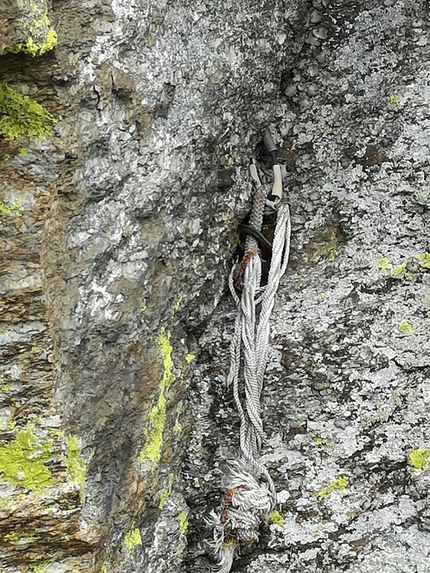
118, 233
347, 387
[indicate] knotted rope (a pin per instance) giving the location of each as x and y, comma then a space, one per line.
248, 502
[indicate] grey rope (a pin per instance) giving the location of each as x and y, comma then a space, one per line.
247, 502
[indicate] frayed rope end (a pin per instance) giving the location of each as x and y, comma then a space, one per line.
246, 505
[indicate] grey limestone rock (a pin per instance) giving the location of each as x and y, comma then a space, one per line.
119, 233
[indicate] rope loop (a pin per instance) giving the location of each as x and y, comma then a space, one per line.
250, 493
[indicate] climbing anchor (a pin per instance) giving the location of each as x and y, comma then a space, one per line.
250, 494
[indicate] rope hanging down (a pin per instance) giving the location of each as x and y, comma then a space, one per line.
250, 493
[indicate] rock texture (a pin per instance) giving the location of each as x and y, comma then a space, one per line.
25, 27
118, 234
347, 391
159, 109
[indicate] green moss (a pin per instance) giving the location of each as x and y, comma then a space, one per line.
384, 264
132, 539
76, 467
167, 491
419, 458
405, 328
339, 483
23, 461
156, 419
425, 260
189, 358
105, 566
276, 518
20, 116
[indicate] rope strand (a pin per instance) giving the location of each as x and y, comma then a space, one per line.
248, 502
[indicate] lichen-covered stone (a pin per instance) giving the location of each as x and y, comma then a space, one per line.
346, 397
25, 28
119, 229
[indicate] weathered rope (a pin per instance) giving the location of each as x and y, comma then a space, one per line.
248, 502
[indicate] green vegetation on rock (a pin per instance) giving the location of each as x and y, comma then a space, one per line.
425, 260
339, 483
75, 465
157, 415
183, 523
36, 28
41, 567
132, 538
11, 210
167, 491
399, 271
419, 458
276, 518
34, 48
384, 264
20, 116
405, 328
22, 462
25, 537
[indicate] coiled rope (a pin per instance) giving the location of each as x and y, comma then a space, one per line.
250, 494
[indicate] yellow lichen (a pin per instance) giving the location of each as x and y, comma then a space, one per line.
22, 462
395, 98
404, 328
399, 271
276, 518
76, 467
21, 116
41, 567
11, 210
425, 260
339, 483
384, 264
24, 537
167, 491
419, 458
156, 418
177, 304
183, 526
37, 28
132, 538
